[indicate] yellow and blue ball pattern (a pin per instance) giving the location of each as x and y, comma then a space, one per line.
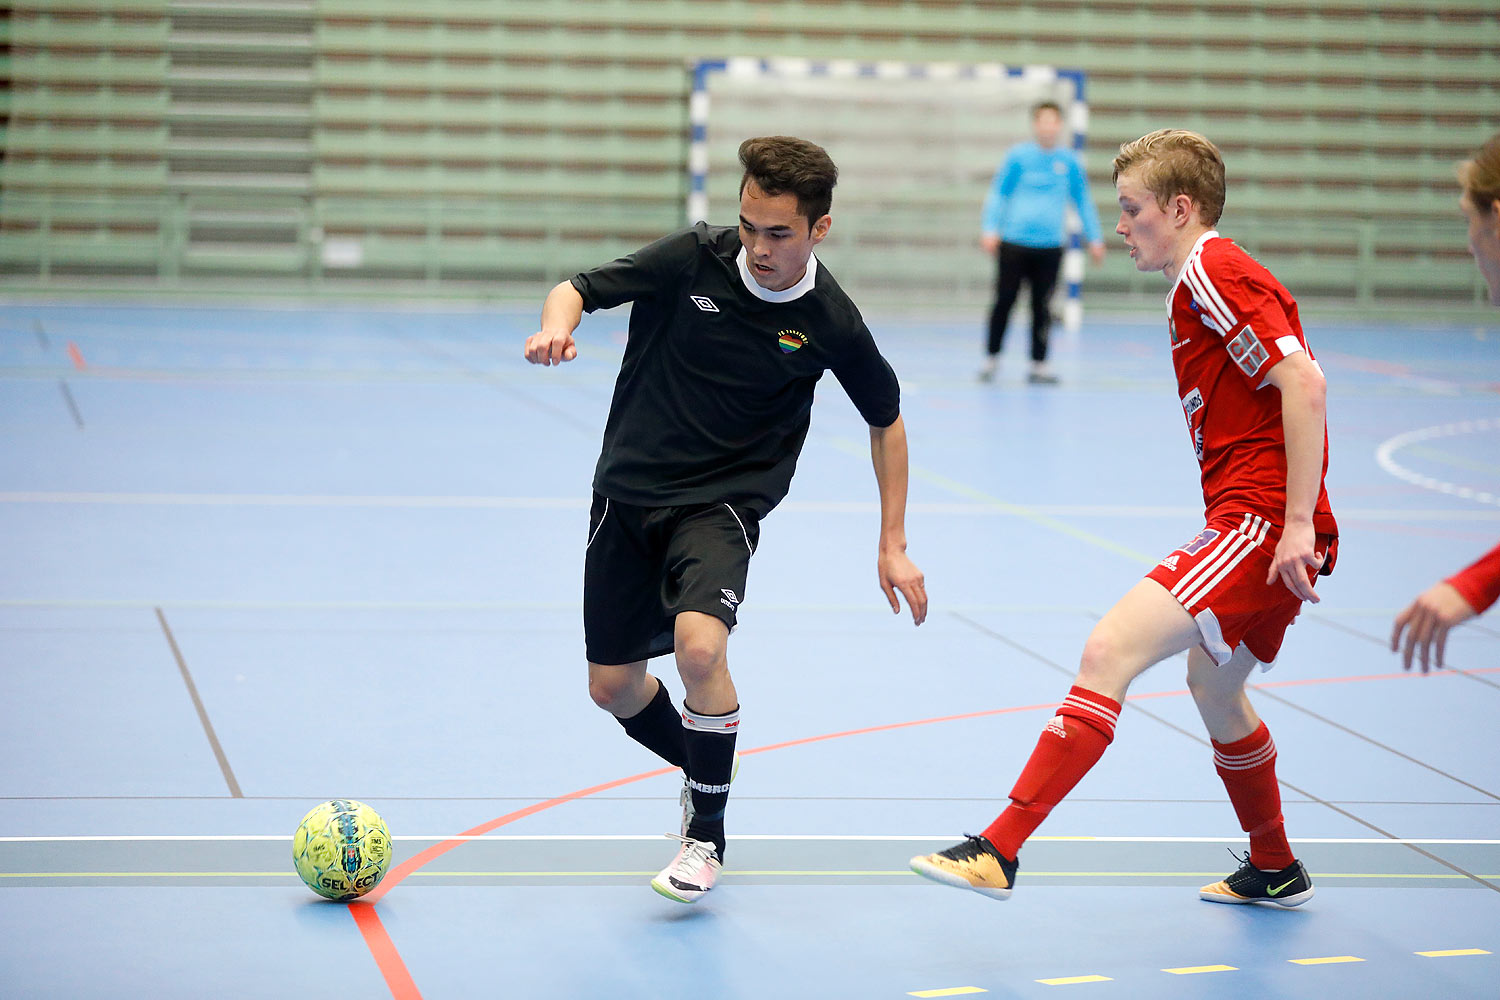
341, 849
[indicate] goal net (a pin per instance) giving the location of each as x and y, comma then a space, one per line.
917, 145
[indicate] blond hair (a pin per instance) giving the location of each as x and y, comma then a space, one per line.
1175, 161
1480, 176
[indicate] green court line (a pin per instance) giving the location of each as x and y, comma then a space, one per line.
1018, 510
1448, 458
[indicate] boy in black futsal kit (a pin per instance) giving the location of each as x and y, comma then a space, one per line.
730, 331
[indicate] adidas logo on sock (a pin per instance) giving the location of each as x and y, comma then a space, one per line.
1055, 727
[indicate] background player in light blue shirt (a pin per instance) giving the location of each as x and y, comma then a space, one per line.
1024, 214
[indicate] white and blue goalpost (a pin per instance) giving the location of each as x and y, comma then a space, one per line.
917, 146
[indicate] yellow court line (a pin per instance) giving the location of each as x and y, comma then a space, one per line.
1074, 980
440, 874
1193, 970
952, 991
759, 873
1453, 953
1332, 960
145, 874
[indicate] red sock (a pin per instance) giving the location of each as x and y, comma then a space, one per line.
1071, 744
1248, 767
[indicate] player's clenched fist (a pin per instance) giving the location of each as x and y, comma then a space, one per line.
544, 348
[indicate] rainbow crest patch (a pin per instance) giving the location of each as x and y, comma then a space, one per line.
791, 340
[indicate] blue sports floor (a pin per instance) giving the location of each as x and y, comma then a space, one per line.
257, 558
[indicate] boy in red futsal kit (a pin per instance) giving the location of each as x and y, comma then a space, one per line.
1253, 397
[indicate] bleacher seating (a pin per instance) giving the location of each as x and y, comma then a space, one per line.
454, 145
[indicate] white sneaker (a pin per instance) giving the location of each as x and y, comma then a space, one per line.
1041, 374
685, 797
691, 874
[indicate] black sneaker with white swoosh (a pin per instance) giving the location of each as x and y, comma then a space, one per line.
1288, 887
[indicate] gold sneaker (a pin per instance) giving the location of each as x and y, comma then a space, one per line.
974, 864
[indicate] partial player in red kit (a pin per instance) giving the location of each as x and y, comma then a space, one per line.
1253, 398
1435, 611
1427, 619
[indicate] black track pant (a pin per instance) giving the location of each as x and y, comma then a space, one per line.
1038, 267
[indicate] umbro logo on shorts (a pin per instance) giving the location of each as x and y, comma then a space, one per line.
704, 303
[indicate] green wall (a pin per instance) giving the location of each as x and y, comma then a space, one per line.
461, 147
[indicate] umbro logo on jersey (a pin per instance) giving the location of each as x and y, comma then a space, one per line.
704, 303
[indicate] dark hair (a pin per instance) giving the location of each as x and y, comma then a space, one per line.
781, 164
1037, 109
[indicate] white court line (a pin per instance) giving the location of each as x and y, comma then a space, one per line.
570, 837
579, 503
1387, 448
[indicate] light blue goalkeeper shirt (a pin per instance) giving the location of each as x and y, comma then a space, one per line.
1029, 195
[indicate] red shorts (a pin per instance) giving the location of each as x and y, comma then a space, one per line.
1220, 578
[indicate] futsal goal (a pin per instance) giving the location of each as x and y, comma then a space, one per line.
917, 145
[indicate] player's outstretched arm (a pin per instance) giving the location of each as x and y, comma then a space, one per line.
561, 314
896, 571
1426, 622
1303, 406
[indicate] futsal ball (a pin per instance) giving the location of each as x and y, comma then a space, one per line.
341, 849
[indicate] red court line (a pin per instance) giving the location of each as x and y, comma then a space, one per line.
76, 355
394, 969
411, 864
399, 981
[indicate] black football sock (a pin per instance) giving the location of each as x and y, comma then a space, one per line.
710, 752
658, 728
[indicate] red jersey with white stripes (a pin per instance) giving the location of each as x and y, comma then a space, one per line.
1231, 321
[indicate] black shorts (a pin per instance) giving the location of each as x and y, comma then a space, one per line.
644, 565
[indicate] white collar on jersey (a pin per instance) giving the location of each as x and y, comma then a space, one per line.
796, 291
1212, 234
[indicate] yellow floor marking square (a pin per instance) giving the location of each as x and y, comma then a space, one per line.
1453, 953
1191, 970
1332, 960
950, 992
1073, 980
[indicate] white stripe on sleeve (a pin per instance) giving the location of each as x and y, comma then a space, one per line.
1288, 345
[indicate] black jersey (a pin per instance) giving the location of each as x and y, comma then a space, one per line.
715, 392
